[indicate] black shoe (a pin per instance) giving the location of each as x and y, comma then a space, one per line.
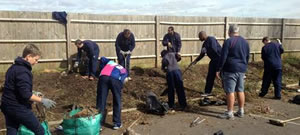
276, 98
261, 94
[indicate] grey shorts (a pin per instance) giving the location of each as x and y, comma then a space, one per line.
233, 82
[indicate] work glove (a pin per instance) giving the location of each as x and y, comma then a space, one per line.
128, 52
278, 40
170, 45
76, 64
178, 57
48, 103
122, 52
39, 94
126, 80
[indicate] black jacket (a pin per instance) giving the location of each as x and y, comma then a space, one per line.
271, 55
18, 85
124, 44
175, 40
90, 47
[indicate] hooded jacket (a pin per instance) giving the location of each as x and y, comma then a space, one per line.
18, 85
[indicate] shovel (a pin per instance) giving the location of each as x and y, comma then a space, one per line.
282, 122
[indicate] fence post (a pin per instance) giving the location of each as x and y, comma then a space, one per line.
156, 41
225, 28
282, 29
69, 59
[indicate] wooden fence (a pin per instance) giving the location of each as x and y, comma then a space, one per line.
56, 39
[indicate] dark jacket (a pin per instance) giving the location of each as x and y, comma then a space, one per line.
90, 47
169, 62
124, 44
212, 48
18, 85
235, 55
271, 55
175, 41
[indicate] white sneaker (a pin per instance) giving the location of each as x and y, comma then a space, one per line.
239, 114
226, 115
129, 78
117, 127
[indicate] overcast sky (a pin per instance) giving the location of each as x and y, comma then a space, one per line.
240, 8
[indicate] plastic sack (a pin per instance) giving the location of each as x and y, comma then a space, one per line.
25, 131
89, 125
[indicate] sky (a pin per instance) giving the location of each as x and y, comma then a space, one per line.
238, 8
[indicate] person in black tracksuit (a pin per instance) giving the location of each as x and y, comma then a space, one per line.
212, 48
17, 95
172, 41
174, 79
271, 55
125, 43
92, 50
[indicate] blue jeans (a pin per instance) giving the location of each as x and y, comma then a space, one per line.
121, 61
175, 82
14, 117
274, 75
104, 84
233, 82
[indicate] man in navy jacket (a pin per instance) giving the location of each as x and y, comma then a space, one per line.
271, 55
17, 95
233, 66
212, 48
92, 50
172, 41
125, 44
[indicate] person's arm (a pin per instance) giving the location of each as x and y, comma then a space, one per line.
179, 43
281, 49
24, 84
248, 52
78, 59
202, 54
164, 64
123, 73
165, 40
117, 44
132, 45
35, 98
224, 54
263, 57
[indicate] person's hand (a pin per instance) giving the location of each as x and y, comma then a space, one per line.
126, 80
122, 52
218, 75
170, 45
48, 103
76, 64
278, 40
